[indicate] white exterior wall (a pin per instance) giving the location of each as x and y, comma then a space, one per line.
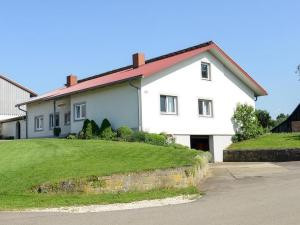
183, 140
184, 81
10, 95
118, 103
45, 109
8, 129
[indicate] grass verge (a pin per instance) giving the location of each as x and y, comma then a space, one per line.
269, 142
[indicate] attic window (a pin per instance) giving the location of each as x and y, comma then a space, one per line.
205, 71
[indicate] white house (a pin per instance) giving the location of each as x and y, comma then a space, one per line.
12, 119
191, 94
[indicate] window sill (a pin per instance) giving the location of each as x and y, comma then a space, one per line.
170, 114
205, 116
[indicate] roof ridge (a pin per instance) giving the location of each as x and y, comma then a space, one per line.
18, 85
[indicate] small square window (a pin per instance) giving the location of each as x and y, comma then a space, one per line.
168, 104
205, 71
205, 107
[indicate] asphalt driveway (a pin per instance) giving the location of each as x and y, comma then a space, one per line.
236, 194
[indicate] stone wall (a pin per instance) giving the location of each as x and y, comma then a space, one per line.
282, 155
136, 181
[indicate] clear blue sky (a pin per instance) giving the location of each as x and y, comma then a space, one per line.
43, 41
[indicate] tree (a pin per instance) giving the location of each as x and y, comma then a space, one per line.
264, 118
247, 125
280, 118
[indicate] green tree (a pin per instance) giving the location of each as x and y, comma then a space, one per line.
264, 119
280, 118
246, 122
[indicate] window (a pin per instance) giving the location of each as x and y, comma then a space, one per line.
67, 118
51, 121
80, 111
168, 104
205, 71
39, 123
205, 107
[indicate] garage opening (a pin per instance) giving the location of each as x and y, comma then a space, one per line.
200, 142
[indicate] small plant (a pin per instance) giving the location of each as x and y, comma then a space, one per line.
106, 131
56, 131
88, 131
124, 133
72, 136
138, 136
85, 124
155, 139
105, 124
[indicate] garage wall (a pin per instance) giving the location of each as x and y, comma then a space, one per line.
9, 129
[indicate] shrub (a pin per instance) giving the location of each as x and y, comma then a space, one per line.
247, 125
138, 136
108, 134
105, 124
95, 128
155, 139
124, 133
72, 136
169, 137
88, 131
85, 124
56, 131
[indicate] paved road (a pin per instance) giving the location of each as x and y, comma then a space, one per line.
237, 194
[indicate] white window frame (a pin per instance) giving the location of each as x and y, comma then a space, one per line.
168, 112
80, 105
52, 120
39, 120
209, 71
210, 105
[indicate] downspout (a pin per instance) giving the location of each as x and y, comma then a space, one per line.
54, 116
255, 98
139, 104
26, 120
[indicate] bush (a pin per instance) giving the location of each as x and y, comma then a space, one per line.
247, 125
108, 134
88, 131
138, 136
56, 131
105, 124
124, 133
95, 128
85, 124
155, 139
72, 136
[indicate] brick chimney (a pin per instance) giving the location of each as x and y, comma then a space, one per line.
138, 59
71, 80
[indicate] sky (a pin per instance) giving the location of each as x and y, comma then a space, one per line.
41, 42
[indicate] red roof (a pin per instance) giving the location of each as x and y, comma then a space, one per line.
151, 67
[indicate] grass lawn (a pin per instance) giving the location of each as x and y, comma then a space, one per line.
269, 141
26, 163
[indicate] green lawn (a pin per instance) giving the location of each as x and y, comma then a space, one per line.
26, 163
269, 141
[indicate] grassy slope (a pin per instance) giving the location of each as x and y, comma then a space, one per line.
269, 141
26, 163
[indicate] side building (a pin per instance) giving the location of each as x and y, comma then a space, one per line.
291, 124
12, 118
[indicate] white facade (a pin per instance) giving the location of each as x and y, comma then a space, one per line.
121, 105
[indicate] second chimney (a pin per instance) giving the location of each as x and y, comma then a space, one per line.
71, 80
138, 59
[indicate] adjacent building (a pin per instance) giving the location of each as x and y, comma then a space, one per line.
12, 118
191, 94
291, 124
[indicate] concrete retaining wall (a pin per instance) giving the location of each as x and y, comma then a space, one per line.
139, 181
282, 155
